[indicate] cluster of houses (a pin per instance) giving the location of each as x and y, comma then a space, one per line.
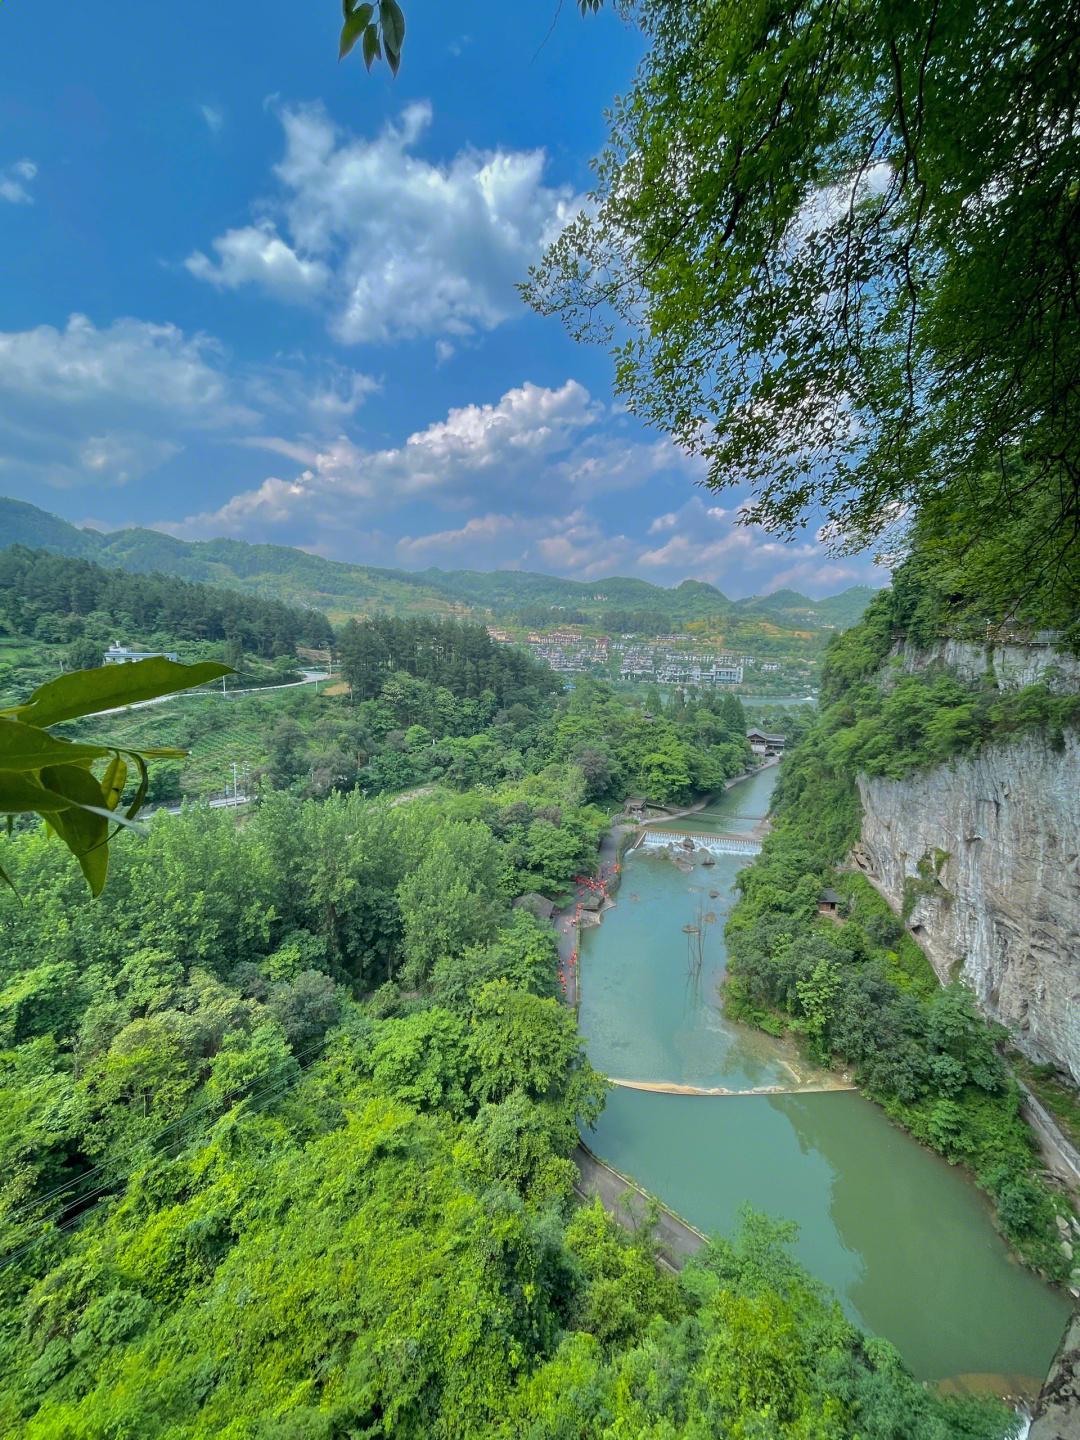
676, 667
569, 653
663, 660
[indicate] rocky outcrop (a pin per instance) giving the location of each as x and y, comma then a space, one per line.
1057, 1414
1009, 667
983, 858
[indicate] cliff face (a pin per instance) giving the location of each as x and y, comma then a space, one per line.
1010, 666
996, 899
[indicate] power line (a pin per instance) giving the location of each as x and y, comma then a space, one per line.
54, 1224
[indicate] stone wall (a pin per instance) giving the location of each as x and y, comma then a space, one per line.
998, 902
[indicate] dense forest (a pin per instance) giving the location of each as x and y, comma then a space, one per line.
456, 654
287, 1127
58, 599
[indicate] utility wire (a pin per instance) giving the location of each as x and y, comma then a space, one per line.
184, 1119
54, 1224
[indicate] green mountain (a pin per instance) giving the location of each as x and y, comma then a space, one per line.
340, 589
789, 607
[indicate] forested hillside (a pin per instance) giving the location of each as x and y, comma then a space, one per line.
861, 991
56, 599
345, 590
287, 1125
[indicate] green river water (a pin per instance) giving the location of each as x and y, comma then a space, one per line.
905, 1240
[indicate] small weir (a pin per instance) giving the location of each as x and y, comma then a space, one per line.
703, 840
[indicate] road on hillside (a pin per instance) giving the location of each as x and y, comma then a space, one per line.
311, 677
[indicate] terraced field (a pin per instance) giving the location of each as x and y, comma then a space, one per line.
216, 731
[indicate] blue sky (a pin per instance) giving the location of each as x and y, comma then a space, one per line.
251, 292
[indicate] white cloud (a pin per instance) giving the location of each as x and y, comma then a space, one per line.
480, 530
394, 245
712, 543
444, 351
214, 116
15, 180
342, 395
579, 546
476, 447
146, 365
573, 544
118, 458
831, 203
256, 254
84, 404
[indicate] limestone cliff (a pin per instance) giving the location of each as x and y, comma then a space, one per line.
1009, 666
983, 855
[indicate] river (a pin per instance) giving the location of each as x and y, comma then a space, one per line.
905, 1240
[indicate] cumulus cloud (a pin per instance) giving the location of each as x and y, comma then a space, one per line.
450, 462
108, 405
393, 245
713, 543
15, 181
256, 254
131, 361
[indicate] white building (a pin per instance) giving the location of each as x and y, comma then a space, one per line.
118, 654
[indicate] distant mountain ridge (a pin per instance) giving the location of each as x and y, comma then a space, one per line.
342, 589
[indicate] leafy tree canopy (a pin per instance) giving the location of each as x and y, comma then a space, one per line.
844, 240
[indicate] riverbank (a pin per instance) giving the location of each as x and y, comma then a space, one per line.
632, 1207
567, 919
900, 1236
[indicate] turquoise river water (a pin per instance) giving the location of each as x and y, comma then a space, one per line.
905, 1240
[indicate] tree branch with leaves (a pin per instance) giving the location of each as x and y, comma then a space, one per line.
836, 249
380, 29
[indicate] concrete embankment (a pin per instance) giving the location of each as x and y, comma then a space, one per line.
676, 1239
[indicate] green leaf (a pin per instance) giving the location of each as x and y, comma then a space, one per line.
25, 747
393, 29
347, 7
371, 45
113, 781
355, 24
88, 692
24, 794
83, 831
